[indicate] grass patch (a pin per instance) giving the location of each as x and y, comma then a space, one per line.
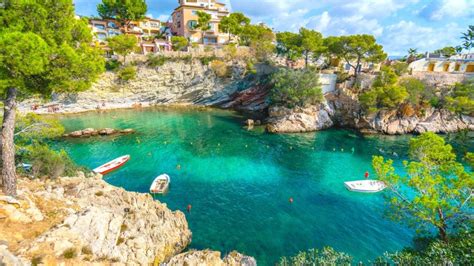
69, 253
123, 228
86, 250
36, 261
120, 240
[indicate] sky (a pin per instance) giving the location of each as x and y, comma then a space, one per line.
397, 24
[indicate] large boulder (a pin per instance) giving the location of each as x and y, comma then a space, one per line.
286, 120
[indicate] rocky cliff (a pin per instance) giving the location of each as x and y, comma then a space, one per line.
192, 83
85, 220
343, 109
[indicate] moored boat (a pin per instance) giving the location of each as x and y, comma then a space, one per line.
160, 184
112, 165
365, 186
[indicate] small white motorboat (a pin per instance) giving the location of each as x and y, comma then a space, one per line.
365, 186
112, 165
160, 185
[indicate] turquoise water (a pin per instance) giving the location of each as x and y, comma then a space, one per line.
239, 182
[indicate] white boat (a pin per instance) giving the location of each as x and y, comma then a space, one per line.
365, 186
112, 165
160, 184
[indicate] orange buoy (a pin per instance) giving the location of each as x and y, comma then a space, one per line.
291, 200
189, 207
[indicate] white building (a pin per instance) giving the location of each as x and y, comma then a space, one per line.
458, 64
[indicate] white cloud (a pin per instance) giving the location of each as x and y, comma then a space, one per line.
452, 8
356, 24
399, 37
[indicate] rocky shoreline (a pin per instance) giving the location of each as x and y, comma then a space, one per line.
194, 84
83, 220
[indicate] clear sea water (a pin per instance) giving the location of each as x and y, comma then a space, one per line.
239, 182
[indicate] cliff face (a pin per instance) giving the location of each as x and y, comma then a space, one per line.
77, 220
192, 83
343, 109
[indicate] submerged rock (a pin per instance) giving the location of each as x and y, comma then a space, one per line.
89, 132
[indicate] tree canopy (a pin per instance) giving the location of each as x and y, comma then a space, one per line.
123, 44
306, 43
234, 23
468, 38
446, 51
355, 49
123, 11
43, 49
435, 192
203, 23
295, 88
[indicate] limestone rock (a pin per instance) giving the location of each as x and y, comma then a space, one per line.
208, 257
125, 227
285, 120
7, 258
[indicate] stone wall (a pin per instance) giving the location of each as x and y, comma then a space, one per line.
441, 80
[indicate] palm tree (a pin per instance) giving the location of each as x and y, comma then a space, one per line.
468, 38
412, 55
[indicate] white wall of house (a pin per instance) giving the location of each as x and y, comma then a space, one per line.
328, 82
439, 65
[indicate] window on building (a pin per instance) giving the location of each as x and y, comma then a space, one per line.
457, 67
112, 25
99, 26
431, 67
102, 36
192, 24
446, 67
470, 69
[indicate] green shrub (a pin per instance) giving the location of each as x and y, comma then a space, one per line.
86, 250
179, 43
387, 76
231, 50
386, 97
70, 253
326, 256
400, 68
250, 67
112, 65
36, 261
295, 88
435, 252
418, 93
127, 73
47, 162
205, 60
220, 68
461, 99
155, 61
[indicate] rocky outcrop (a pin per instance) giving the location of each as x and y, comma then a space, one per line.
77, 221
91, 132
393, 123
175, 82
313, 118
112, 224
208, 257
